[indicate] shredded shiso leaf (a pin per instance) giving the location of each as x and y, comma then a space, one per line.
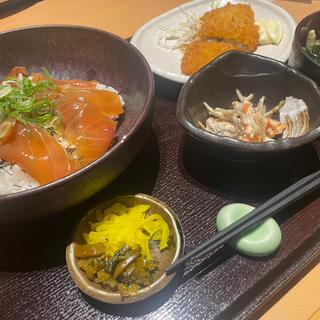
119, 226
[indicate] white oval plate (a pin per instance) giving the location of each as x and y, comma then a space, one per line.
166, 63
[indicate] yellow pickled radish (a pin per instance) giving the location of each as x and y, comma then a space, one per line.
120, 225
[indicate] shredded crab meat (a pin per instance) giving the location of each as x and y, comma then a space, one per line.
244, 121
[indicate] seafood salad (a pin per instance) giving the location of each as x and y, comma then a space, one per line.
246, 122
231, 27
50, 128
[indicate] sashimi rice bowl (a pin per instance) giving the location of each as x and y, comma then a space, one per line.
50, 128
70, 120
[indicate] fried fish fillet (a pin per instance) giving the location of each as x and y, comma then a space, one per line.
199, 53
234, 23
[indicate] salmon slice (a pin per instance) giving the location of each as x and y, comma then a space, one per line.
37, 152
87, 130
36, 77
77, 83
16, 70
81, 90
87, 120
106, 101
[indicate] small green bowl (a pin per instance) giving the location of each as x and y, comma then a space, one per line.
167, 257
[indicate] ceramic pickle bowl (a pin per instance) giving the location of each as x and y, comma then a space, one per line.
166, 257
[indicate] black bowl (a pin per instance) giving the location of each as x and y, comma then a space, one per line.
85, 53
299, 59
216, 84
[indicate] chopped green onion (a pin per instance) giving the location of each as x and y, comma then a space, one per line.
27, 102
4, 90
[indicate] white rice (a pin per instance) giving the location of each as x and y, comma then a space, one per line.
14, 179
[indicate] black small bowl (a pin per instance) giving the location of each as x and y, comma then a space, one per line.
299, 59
216, 84
72, 52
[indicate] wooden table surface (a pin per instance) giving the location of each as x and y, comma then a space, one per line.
123, 17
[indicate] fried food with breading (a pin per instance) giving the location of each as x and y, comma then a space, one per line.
199, 53
234, 23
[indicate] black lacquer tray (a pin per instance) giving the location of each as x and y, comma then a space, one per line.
35, 283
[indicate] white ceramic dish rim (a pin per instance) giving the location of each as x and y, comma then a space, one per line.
181, 78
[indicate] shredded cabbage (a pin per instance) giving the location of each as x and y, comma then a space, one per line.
183, 35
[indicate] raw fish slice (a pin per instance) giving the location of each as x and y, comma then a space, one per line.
36, 77
87, 129
86, 91
77, 83
37, 152
16, 70
87, 115
106, 101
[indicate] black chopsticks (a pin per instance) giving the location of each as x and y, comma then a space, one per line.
280, 201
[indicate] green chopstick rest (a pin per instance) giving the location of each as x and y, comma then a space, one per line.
259, 241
